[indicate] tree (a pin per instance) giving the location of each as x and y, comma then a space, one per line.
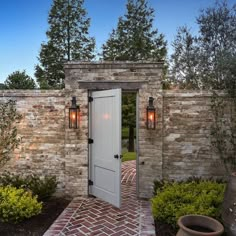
19, 80
129, 117
68, 39
8, 131
202, 60
217, 42
185, 59
134, 38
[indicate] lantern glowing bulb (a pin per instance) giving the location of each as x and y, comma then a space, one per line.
151, 114
74, 114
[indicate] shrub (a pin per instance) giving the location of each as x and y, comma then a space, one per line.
17, 204
177, 199
158, 184
8, 178
44, 188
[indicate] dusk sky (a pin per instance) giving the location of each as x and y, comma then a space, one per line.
23, 24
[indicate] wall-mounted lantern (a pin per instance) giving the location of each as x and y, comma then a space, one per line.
74, 114
151, 114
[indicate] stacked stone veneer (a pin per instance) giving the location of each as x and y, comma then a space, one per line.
187, 149
42, 130
178, 148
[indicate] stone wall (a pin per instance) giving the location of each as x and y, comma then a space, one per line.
178, 148
42, 130
187, 149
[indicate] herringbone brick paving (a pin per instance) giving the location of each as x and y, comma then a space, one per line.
128, 171
92, 216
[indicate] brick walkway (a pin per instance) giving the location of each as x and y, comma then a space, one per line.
91, 216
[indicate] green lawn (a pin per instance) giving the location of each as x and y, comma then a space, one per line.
129, 156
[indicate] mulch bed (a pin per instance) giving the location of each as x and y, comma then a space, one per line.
37, 225
164, 229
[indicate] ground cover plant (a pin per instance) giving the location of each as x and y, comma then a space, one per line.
175, 199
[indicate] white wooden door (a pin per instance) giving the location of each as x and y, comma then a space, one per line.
105, 149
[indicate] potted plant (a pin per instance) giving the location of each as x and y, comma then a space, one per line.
198, 225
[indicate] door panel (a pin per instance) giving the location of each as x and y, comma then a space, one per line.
105, 130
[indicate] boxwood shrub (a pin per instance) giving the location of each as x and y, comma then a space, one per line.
175, 199
17, 204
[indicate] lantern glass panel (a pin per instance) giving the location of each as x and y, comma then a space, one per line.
73, 118
151, 118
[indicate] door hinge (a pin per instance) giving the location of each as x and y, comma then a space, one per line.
90, 182
90, 141
90, 99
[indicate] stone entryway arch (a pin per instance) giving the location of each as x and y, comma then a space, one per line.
143, 77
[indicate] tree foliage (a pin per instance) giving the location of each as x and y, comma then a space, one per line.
134, 38
19, 80
2, 86
217, 42
185, 59
9, 139
68, 39
202, 61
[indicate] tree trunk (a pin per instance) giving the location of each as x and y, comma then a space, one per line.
131, 139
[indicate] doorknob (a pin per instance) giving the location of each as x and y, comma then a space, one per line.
117, 156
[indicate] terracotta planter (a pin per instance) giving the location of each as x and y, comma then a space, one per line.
198, 225
229, 206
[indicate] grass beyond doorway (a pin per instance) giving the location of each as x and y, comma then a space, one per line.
129, 156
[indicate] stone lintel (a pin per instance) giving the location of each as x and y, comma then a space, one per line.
94, 85
113, 65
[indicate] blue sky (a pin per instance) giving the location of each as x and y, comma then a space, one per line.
23, 24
